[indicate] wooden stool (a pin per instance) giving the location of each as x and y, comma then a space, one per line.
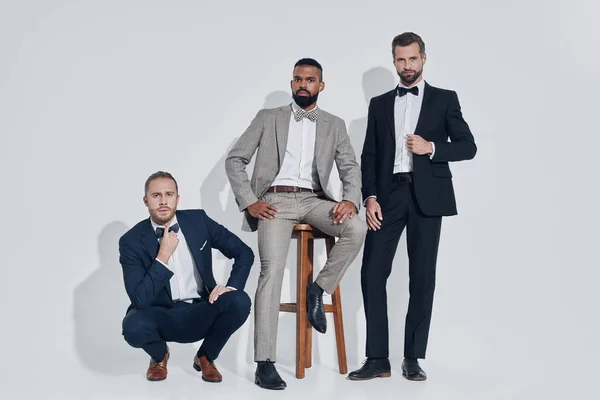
305, 234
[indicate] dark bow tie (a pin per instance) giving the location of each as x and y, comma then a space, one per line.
402, 90
160, 231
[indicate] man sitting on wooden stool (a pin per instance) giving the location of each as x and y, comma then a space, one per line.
297, 145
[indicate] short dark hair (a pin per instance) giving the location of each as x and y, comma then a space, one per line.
157, 175
309, 62
406, 39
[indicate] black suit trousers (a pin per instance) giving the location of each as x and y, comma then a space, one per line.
423, 234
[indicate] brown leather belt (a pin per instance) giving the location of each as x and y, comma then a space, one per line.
290, 189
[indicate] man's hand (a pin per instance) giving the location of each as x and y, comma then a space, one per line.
342, 210
419, 146
168, 244
216, 292
262, 210
374, 215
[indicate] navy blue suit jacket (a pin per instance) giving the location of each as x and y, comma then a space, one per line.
147, 280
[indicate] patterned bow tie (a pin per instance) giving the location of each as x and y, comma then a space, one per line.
311, 115
160, 231
402, 91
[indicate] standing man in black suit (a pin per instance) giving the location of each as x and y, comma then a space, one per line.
406, 182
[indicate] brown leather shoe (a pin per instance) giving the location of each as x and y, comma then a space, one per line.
157, 371
209, 370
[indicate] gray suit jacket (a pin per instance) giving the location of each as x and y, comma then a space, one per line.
268, 133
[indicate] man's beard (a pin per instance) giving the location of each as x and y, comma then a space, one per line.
410, 79
305, 101
162, 221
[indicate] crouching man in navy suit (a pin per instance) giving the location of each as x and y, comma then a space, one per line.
167, 269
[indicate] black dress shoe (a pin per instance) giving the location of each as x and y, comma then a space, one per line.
316, 309
267, 377
412, 371
372, 368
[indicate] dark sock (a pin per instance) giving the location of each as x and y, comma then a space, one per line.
201, 353
316, 288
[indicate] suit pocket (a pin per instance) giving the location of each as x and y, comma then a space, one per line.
442, 172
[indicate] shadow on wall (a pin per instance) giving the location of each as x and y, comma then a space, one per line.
219, 203
215, 193
375, 81
99, 306
100, 301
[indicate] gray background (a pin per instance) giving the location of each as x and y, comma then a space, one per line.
96, 95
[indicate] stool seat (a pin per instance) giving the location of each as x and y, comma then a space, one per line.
305, 235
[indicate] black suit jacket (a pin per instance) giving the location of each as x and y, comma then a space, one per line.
147, 280
440, 119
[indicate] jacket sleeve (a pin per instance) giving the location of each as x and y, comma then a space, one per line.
462, 145
369, 157
142, 284
348, 169
231, 246
239, 157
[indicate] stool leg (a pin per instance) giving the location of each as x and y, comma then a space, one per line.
309, 279
301, 318
336, 301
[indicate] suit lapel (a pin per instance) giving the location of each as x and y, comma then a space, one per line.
197, 242
282, 128
149, 239
425, 108
321, 131
150, 242
389, 110
191, 238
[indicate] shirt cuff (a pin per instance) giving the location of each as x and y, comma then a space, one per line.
432, 150
162, 262
365, 202
231, 287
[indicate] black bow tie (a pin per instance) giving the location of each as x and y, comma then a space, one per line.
402, 90
160, 231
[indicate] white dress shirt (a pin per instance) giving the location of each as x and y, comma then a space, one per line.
299, 167
186, 282
406, 115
